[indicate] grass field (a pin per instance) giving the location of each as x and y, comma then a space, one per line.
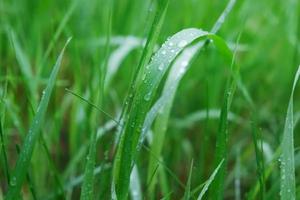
149, 99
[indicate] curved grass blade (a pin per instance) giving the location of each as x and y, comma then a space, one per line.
23, 161
116, 58
178, 70
287, 163
146, 55
145, 93
164, 104
201, 115
210, 180
25, 66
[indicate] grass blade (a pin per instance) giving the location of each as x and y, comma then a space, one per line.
187, 193
88, 182
146, 91
23, 161
3, 149
135, 185
287, 163
210, 180
162, 107
181, 65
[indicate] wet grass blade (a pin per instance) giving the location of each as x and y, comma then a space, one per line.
29, 179
162, 107
88, 182
145, 57
179, 68
209, 181
135, 185
287, 163
145, 94
23, 161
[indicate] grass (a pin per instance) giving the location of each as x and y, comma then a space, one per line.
287, 160
23, 161
151, 100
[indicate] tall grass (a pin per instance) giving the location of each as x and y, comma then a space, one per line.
146, 104
23, 161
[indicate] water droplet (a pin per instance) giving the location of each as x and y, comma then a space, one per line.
161, 67
144, 77
132, 125
171, 44
13, 181
181, 71
182, 43
164, 52
184, 63
147, 96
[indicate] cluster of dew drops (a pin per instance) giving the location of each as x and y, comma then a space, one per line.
164, 57
283, 177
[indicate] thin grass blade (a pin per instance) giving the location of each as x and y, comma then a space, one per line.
23, 161
287, 160
209, 181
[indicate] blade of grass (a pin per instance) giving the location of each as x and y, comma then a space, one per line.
116, 58
145, 57
28, 178
93, 105
187, 193
25, 67
23, 161
217, 188
163, 106
181, 65
57, 33
287, 165
135, 185
88, 182
3, 149
145, 93
210, 180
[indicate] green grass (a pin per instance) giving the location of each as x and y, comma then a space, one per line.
23, 161
151, 100
287, 160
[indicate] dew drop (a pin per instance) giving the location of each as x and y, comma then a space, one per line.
184, 63
147, 96
144, 77
161, 67
163, 52
13, 181
182, 43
